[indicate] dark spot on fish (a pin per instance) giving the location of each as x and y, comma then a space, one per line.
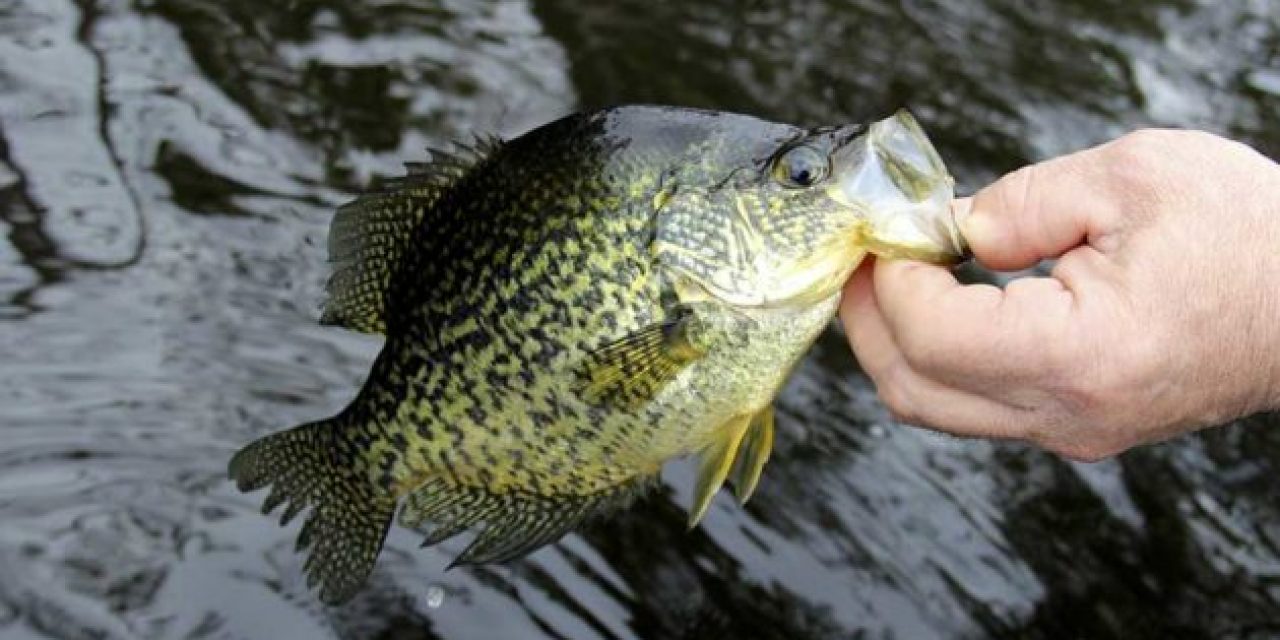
609, 319
464, 457
487, 454
399, 442
497, 380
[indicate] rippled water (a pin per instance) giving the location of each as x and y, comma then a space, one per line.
167, 173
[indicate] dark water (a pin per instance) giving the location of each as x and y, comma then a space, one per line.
167, 172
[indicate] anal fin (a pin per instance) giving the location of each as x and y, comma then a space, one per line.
716, 460
739, 452
508, 525
753, 453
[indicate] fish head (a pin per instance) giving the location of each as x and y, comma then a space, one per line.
792, 228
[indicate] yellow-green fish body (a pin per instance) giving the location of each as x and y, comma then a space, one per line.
568, 310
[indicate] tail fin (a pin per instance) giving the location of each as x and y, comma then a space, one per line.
349, 514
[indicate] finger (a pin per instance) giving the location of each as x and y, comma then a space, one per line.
1039, 211
915, 399
927, 311
910, 396
962, 334
863, 323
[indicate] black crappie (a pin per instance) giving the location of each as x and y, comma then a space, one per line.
566, 311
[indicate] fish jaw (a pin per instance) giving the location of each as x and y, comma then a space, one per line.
894, 180
815, 278
798, 285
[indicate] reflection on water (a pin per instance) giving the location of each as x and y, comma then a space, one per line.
167, 171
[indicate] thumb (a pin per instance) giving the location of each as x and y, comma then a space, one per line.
1038, 212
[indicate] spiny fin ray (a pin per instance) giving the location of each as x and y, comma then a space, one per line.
370, 234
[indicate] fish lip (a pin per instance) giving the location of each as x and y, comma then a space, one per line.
894, 181
958, 241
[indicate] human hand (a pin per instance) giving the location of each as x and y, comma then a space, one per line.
1161, 315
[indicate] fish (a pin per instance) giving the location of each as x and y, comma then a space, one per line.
566, 311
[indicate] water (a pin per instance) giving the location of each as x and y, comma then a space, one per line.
167, 172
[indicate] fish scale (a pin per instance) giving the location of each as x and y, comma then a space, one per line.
564, 313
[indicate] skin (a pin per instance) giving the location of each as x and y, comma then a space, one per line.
1161, 315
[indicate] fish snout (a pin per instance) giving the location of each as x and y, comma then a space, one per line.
894, 179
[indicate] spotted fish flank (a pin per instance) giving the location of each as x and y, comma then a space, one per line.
567, 311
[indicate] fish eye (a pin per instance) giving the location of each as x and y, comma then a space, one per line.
800, 167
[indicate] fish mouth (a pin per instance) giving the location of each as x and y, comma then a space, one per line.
895, 182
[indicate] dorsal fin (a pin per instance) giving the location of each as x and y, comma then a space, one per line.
369, 234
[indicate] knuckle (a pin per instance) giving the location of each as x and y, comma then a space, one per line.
1137, 152
898, 398
1085, 452
1161, 143
919, 350
1148, 163
896, 403
1019, 189
1087, 395
1143, 138
1077, 439
1145, 144
930, 351
1197, 139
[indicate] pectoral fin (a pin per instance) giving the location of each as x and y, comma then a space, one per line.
717, 458
754, 451
631, 371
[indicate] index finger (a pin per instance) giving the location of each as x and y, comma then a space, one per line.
959, 333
